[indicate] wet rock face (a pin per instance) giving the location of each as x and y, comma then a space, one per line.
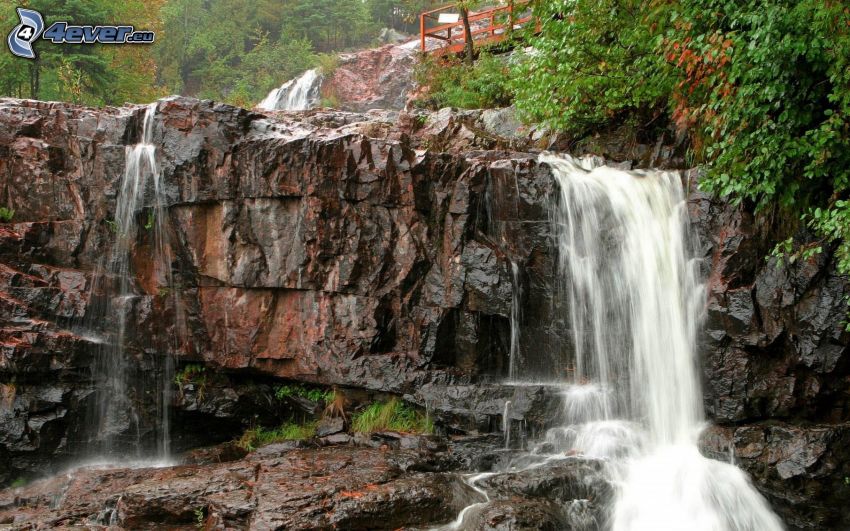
803, 470
379, 78
304, 247
333, 488
774, 336
775, 362
372, 251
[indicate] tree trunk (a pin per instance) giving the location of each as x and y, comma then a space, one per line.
467, 36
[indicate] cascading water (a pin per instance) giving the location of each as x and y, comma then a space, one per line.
299, 94
516, 316
117, 422
635, 299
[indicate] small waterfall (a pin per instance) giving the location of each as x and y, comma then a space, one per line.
506, 424
516, 317
299, 94
121, 387
634, 299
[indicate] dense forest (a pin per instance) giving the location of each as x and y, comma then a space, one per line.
228, 50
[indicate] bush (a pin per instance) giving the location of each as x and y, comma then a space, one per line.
6, 214
392, 415
594, 61
451, 83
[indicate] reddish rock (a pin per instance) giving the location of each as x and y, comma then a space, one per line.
332, 488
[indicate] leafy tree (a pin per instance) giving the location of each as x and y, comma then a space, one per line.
401, 15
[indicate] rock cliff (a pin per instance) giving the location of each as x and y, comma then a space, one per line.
374, 251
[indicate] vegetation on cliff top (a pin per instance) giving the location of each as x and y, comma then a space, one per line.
761, 88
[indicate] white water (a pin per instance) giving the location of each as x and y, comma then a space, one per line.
506, 424
632, 397
299, 94
635, 302
516, 317
119, 394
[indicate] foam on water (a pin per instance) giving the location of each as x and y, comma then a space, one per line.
299, 94
635, 303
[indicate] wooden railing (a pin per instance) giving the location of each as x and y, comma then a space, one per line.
488, 26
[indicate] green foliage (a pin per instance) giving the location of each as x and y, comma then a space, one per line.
769, 94
593, 62
762, 88
192, 374
229, 50
151, 220
91, 74
401, 15
6, 214
328, 63
314, 394
453, 84
393, 415
290, 431
199, 517
18, 483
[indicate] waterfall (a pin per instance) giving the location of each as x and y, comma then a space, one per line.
516, 317
506, 424
118, 422
634, 300
299, 94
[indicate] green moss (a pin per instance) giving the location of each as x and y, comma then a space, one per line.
393, 415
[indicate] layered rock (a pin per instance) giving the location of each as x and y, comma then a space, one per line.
374, 251
776, 362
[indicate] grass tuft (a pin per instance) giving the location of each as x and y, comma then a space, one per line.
393, 415
291, 431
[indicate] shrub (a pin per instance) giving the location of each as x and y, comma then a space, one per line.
194, 374
328, 63
6, 214
451, 83
189, 374
392, 415
593, 62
